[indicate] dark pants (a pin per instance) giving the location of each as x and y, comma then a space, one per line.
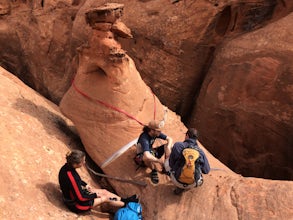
158, 152
80, 206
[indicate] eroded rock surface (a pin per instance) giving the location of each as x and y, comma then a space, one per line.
173, 46
34, 138
110, 76
34, 141
108, 100
248, 95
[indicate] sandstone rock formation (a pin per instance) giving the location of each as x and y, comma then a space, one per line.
108, 101
107, 81
173, 46
34, 138
35, 43
248, 95
178, 41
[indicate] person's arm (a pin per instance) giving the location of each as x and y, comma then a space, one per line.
168, 148
169, 141
175, 156
76, 187
145, 145
205, 166
149, 157
83, 183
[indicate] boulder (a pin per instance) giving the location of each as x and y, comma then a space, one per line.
34, 138
247, 96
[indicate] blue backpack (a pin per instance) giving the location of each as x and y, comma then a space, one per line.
132, 211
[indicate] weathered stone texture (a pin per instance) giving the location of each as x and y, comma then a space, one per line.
248, 97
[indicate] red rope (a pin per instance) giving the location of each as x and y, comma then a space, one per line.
110, 106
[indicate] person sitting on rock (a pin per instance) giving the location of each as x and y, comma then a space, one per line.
180, 158
78, 196
147, 153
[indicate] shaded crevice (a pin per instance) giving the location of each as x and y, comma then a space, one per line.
195, 92
234, 201
283, 3
234, 22
223, 21
257, 14
75, 2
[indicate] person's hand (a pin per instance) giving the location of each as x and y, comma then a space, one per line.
159, 161
89, 188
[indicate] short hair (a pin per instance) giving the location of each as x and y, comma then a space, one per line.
146, 129
192, 133
156, 125
74, 157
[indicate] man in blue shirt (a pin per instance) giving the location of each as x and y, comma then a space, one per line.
174, 163
150, 155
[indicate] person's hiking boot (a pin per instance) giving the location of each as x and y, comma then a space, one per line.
178, 191
154, 177
199, 182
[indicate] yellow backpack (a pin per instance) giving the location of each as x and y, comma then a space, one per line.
187, 173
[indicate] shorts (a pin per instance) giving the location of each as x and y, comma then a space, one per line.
158, 152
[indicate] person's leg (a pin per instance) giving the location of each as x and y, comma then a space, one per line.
108, 197
163, 149
154, 176
104, 196
80, 206
149, 164
152, 165
159, 151
76, 208
167, 149
166, 168
154, 173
